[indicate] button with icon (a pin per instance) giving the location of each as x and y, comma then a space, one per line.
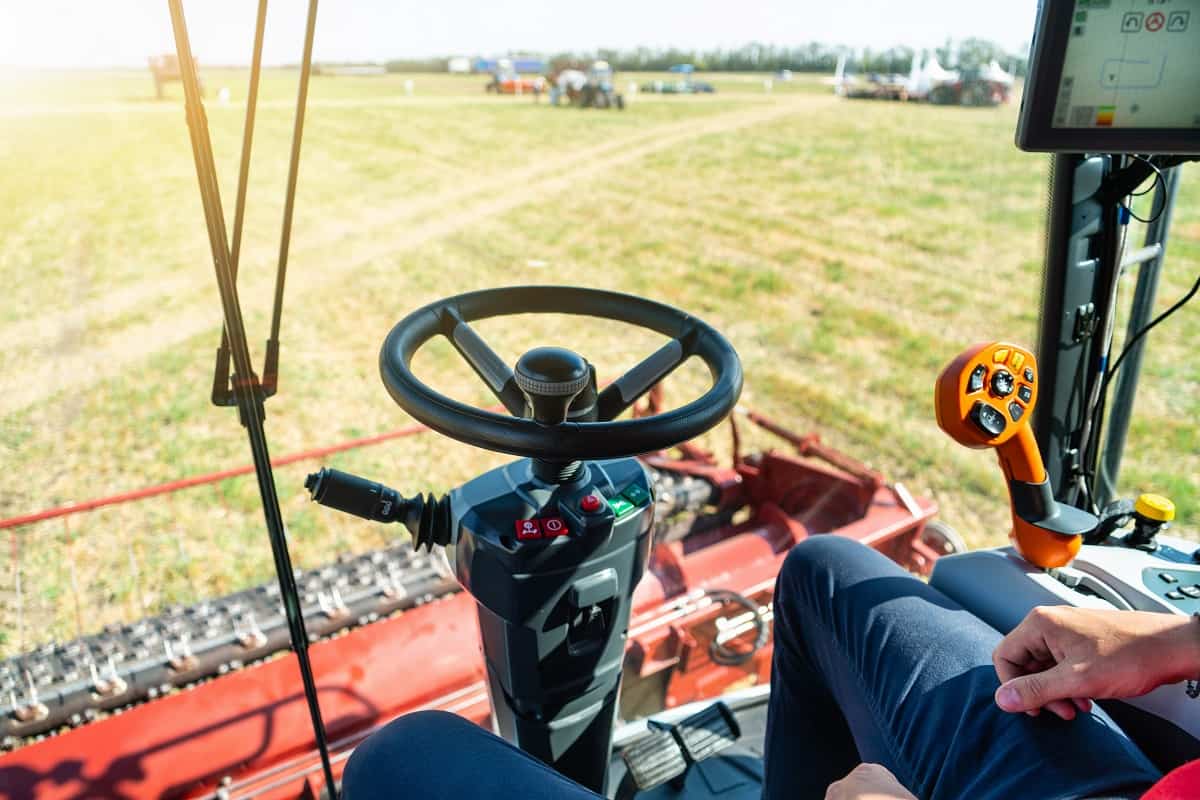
528, 529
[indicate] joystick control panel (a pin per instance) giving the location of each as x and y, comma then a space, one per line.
985, 399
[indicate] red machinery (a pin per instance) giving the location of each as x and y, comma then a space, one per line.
513, 83
245, 734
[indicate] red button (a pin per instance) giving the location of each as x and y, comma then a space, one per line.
554, 526
591, 504
528, 529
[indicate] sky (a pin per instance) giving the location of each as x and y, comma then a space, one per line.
100, 33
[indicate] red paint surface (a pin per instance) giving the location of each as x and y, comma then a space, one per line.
251, 727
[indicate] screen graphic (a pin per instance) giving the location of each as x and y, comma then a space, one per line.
1131, 64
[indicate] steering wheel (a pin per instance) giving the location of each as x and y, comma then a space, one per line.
557, 412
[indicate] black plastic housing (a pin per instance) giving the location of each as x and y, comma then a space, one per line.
553, 612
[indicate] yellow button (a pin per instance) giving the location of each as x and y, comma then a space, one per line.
1000, 355
1017, 360
1155, 507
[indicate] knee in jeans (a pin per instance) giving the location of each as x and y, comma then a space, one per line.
816, 556
387, 746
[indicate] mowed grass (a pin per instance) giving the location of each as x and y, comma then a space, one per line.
847, 249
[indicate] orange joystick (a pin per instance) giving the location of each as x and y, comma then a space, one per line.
985, 398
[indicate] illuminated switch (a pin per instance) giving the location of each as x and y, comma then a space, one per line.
528, 529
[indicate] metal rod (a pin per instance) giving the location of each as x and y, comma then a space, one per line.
245, 384
239, 209
1142, 255
1141, 310
221, 373
271, 367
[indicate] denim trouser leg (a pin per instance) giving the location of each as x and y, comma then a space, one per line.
874, 665
434, 755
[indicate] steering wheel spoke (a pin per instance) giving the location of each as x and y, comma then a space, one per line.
627, 389
484, 360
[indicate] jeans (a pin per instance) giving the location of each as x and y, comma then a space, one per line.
870, 664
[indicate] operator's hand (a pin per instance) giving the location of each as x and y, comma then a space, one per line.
1060, 657
868, 782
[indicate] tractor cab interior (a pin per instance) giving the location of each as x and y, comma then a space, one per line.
550, 550
552, 546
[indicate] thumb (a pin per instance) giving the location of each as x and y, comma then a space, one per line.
1029, 692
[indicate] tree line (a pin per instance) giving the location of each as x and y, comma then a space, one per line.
757, 57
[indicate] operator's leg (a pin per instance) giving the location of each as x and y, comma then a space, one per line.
434, 755
872, 664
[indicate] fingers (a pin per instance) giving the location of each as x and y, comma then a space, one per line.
1024, 644
1039, 690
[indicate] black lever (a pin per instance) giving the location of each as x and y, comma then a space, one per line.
427, 518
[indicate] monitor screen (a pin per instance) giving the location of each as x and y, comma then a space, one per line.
1114, 76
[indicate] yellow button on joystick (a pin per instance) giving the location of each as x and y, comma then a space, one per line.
1155, 507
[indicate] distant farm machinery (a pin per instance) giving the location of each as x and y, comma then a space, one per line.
585, 87
165, 68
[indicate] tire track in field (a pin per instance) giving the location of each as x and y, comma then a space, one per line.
48, 326
444, 214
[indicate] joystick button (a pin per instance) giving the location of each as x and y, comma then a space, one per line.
1015, 411
1025, 393
1029, 374
989, 420
1002, 383
975, 382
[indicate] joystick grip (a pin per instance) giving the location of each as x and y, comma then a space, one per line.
985, 398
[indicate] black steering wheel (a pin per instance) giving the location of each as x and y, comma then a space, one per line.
571, 420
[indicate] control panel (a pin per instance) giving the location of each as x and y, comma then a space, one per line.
1181, 588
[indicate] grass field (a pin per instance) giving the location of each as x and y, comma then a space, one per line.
847, 250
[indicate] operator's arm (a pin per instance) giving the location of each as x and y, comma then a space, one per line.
1061, 656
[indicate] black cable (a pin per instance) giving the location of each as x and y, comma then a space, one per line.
1180, 303
726, 657
1126, 350
1162, 203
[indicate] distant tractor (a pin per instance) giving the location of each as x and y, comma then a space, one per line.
512, 83
985, 86
592, 88
507, 77
165, 68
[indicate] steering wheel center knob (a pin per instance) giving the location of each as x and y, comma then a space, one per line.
550, 378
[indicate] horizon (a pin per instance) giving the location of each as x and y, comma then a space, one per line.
121, 34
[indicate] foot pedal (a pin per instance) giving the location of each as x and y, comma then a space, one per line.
667, 751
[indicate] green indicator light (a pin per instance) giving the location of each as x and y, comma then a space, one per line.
620, 506
1081, 16
636, 495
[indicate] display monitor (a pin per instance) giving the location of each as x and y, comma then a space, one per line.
1114, 76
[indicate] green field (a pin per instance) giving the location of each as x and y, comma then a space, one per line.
846, 248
